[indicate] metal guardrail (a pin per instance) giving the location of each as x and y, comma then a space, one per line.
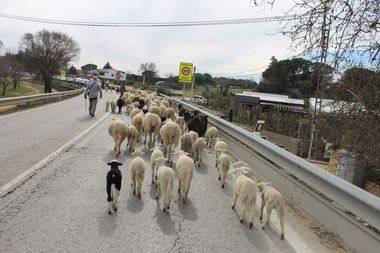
351, 198
37, 97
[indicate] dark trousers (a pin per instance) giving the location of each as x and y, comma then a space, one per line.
92, 107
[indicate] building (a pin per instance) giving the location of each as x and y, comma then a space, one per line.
268, 100
110, 74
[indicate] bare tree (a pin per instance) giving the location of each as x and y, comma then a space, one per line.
354, 28
5, 70
48, 52
148, 70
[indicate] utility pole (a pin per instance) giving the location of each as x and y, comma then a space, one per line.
192, 83
324, 46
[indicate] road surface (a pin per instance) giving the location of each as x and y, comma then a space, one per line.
63, 209
29, 136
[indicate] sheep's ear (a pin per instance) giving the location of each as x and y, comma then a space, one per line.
268, 183
186, 153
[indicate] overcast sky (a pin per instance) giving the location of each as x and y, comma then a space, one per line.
213, 49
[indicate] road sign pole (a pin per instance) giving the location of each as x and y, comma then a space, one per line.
192, 83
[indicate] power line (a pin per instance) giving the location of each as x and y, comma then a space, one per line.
241, 72
151, 24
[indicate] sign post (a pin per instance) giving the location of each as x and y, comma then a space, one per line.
63, 73
185, 73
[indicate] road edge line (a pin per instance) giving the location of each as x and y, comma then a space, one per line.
23, 177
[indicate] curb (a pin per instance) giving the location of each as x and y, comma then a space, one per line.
20, 179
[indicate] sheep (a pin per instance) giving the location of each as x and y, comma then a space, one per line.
165, 179
182, 123
162, 110
113, 179
271, 198
223, 166
151, 124
185, 167
245, 191
165, 102
132, 136
187, 142
138, 168
170, 133
120, 103
221, 145
169, 113
211, 134
155, 110
113, 106
137, 121
134, 112
157, 153
108, 103
129, 109
244, 167
136, 104
197, 150
118, 130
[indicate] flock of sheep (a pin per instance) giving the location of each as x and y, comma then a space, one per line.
156, 119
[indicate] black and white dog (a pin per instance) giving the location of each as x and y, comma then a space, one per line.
113, 185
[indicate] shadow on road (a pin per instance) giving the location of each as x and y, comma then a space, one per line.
135, 205
164, 220
107, 224
188, 210
202, 169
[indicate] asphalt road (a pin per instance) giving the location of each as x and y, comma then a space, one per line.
63, 209
29, 136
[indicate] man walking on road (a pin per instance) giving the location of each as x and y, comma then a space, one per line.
92, 91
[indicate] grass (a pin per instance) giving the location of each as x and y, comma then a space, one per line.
23, 89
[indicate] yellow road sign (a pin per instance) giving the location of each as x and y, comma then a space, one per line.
63, 73
185, 72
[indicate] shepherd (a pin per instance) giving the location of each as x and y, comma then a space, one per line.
93, 90
113, 185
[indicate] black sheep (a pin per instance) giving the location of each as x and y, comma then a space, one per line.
113, 187
120, 103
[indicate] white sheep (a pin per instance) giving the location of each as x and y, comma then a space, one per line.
185, 167
137, 121
211, 134
157, 153
136, 104
165, 180
219, 145
245, 191
197, 150
165, 102
187, 142
194, 135
108, 103
155, 109
118, 130
134, 112
169, 113
132, 136
113, 106
182, 123
151, 124
162, 110
170, 133
129, 109
223, 166
272, 199
138, 168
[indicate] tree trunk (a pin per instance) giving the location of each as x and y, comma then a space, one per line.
15, 82
47, 85
4, 87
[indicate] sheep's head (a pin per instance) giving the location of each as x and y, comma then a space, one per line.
138, 153
263, 185
179, 153
239, 164
220, 151
161, 161
236, 172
